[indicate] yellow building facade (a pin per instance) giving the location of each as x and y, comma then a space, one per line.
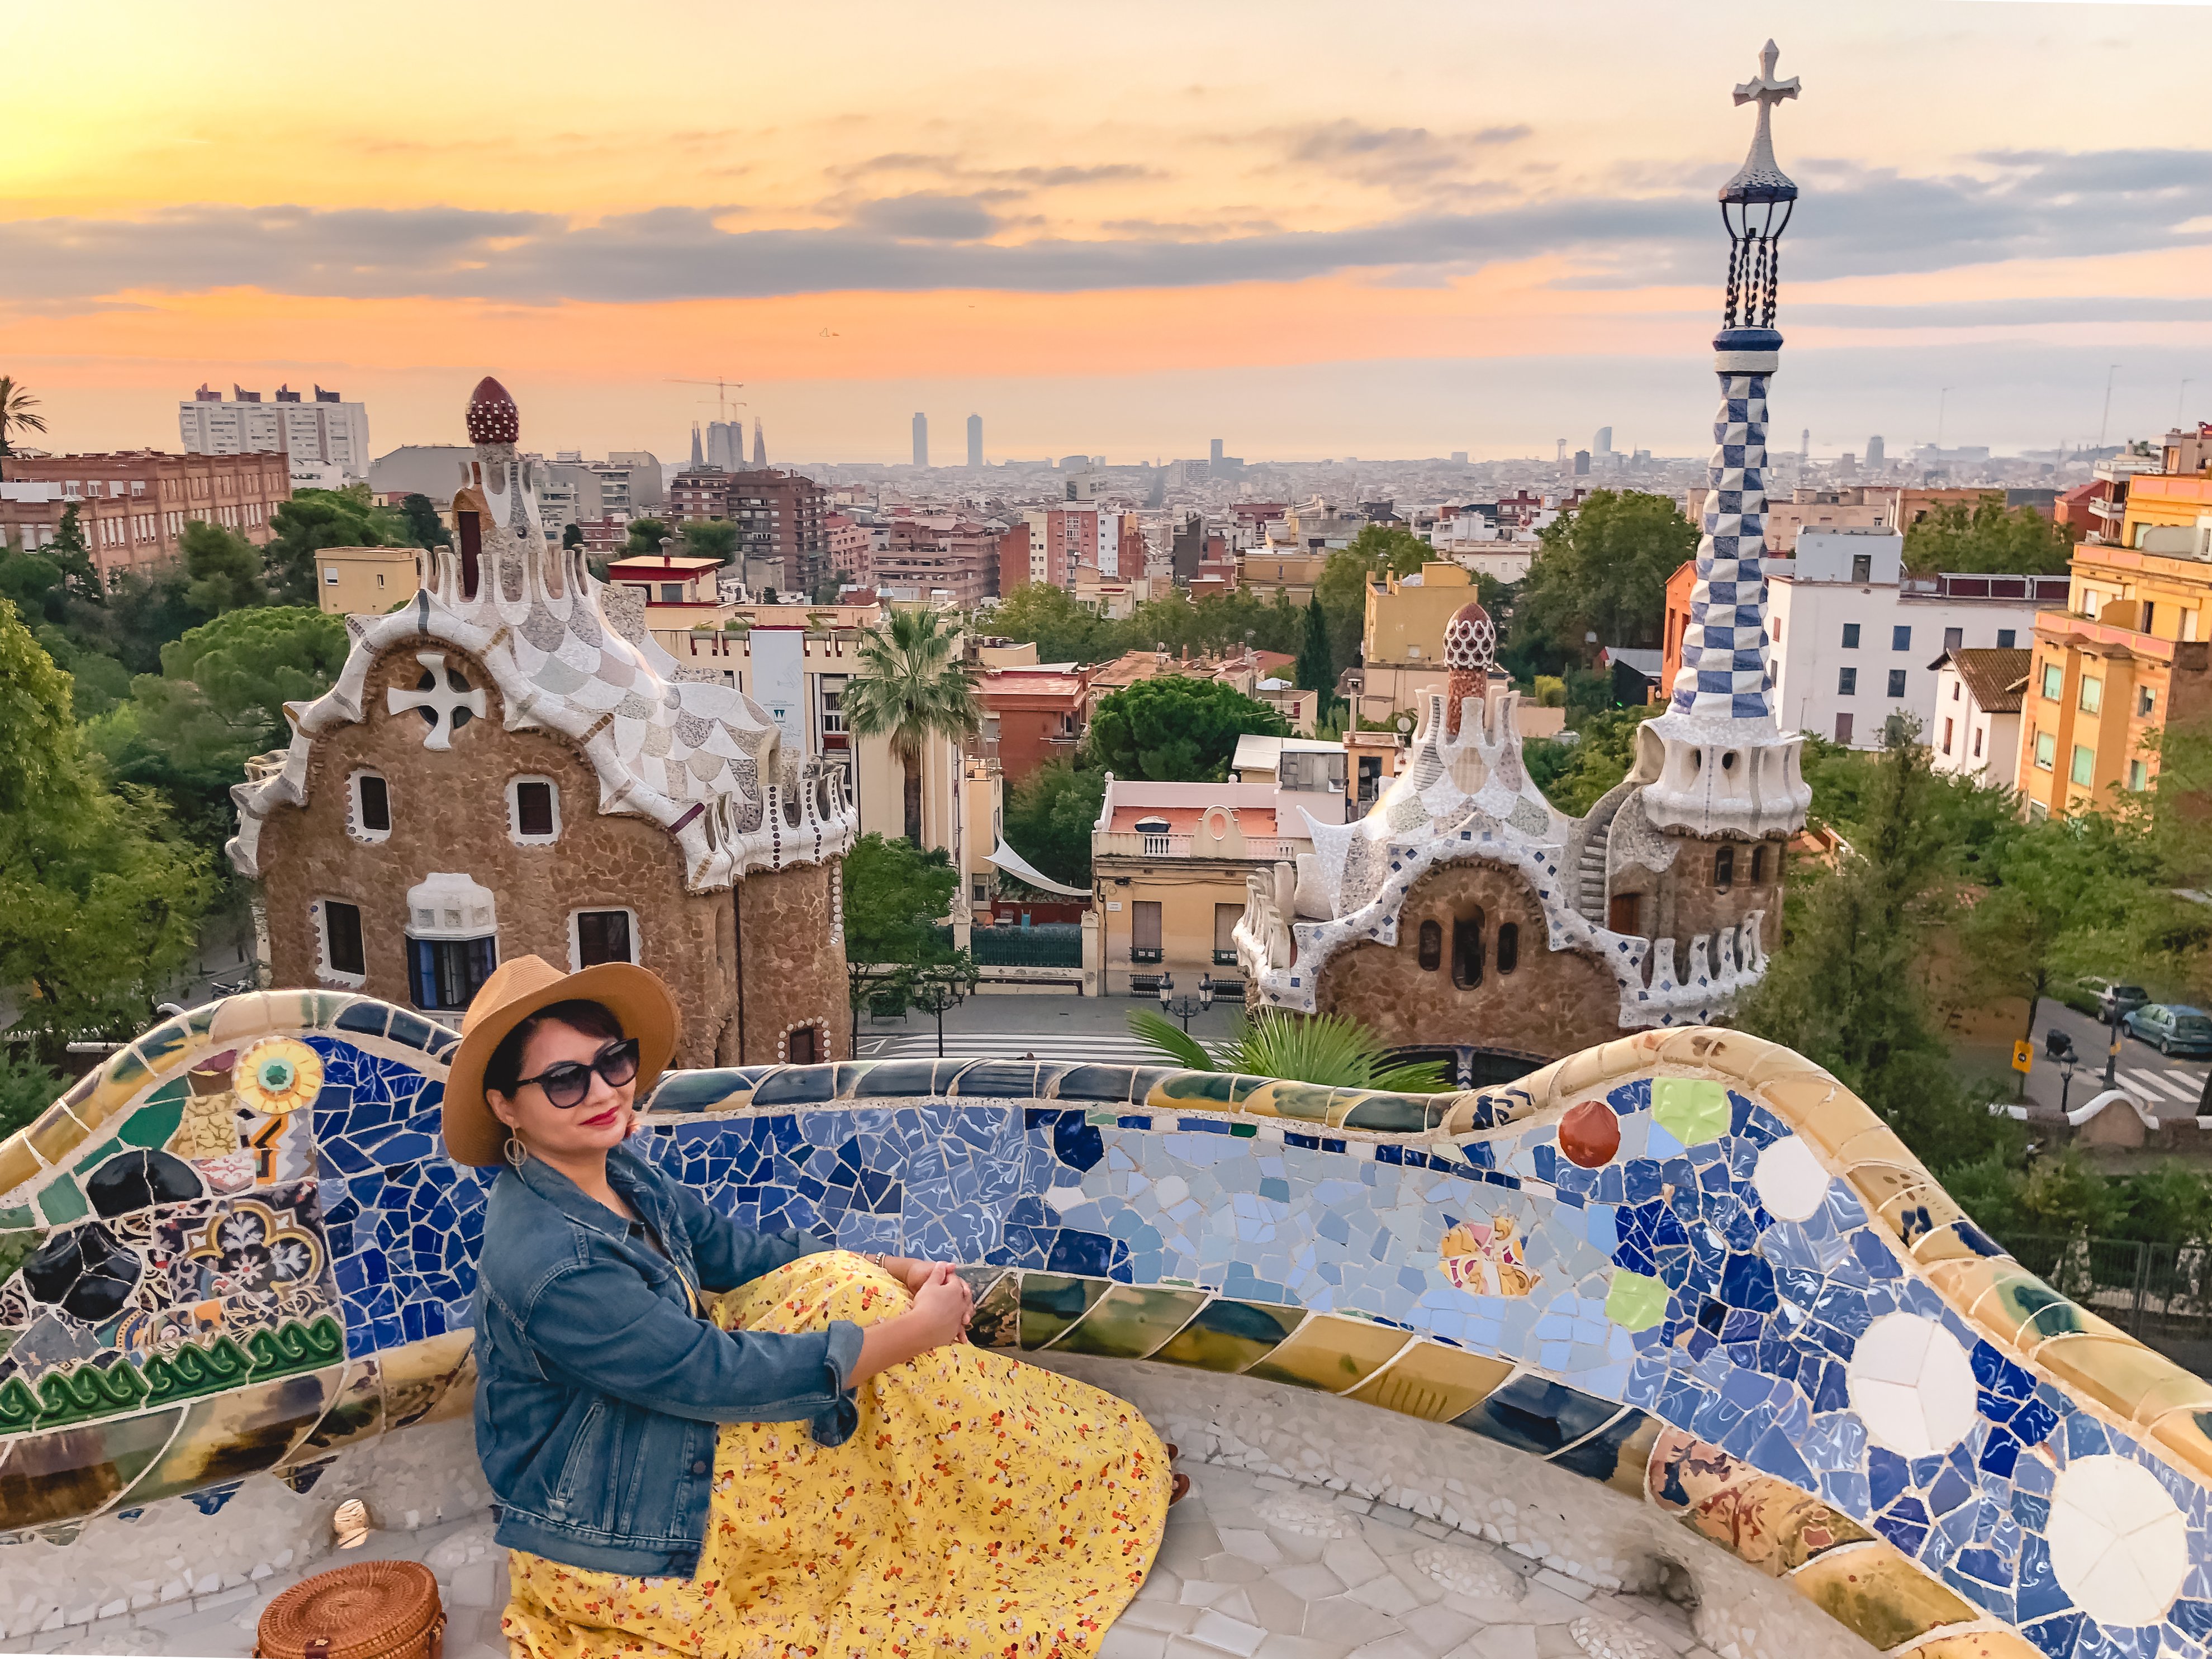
1405, 615
365, 580
2127, 655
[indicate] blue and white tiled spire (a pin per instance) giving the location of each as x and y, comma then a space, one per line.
1715, 763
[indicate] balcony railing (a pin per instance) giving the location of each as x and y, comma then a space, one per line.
1144, 953
1266, 849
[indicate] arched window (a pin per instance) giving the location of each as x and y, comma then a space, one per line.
1467, 951
1724, 869
1758, 866
1509, 946
1432, 947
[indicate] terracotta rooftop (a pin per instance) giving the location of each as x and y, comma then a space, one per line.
1995, 679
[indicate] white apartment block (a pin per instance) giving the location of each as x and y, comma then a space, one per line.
318, 438
1856, 640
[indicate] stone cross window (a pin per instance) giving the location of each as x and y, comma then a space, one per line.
443, 696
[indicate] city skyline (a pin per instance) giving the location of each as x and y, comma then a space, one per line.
1369, 264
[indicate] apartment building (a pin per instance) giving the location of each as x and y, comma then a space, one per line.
1168, 863
353, 581
2129, 652
318, 436
1037, 714
132, 507
783, 540
1854, 636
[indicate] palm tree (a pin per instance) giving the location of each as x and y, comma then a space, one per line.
912, 687
1332, 1050
16, 405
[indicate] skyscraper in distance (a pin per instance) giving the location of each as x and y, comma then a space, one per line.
698, 459
1874, 456
1214, 451
920, 439
760, 444
975, 440
1602, 443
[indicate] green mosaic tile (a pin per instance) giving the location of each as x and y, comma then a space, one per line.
1690, 1108
61, 1203
1229, 1336
152, 1124
1637, 1301
15, 1218
193, 1370
1129, 1323
98, 1155
1243, 1130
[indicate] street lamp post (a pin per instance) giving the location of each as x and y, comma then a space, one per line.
933, 994
2113, 1015
1182, 1007
2065, 1079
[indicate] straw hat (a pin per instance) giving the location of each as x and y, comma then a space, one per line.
637, 997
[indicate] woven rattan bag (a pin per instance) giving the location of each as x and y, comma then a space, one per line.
369, 1610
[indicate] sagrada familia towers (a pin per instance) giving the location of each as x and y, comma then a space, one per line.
1465, 910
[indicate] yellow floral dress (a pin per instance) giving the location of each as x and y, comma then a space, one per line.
982, 1507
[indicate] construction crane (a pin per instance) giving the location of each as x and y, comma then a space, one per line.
722, 398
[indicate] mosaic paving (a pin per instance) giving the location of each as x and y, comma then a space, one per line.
1685, 1265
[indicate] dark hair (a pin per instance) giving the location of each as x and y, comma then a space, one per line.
503, 1070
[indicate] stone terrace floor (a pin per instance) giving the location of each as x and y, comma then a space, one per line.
1252, 1566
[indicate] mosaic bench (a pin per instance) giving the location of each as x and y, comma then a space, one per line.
1686, 1271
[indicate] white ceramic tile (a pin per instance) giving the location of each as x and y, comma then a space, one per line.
1789, 1180
2118, 1544
1912, 1385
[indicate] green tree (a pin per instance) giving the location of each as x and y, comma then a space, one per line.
573, 536
645, 536
99, 904
419, 514
1316, 663
1987, 537
27, 1089
188, 732
1602, 570
73, 558
1574, 776
1392, 548
1847, 987
710, 538
18, 414
895, 895
225, 569
1048, 818
1063, 630
911, 685
1170, 728
315, 518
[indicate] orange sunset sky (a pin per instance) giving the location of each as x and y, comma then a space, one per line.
1311, 229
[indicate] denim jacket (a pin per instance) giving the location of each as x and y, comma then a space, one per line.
600, 1390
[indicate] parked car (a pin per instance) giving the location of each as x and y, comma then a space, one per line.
2097, 998
2171, 1028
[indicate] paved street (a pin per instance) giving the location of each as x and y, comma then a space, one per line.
1252, 1566
1050, 1027
2171, 1087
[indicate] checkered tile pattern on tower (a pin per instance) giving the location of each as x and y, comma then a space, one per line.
1723, 669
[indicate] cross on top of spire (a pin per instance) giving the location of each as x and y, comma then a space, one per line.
1761, 178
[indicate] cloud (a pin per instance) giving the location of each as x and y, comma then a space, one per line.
2007, 313
953, 170
926, 216
1855, 221
1411, 161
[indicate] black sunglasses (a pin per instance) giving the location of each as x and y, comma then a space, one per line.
567, 1084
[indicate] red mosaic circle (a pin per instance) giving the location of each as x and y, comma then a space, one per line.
1589, 1134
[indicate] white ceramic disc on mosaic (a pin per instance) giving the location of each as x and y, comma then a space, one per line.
1789, 1180
1608, 1638
1912, 1385
1468, 1573
1309, 1517
2119, 1543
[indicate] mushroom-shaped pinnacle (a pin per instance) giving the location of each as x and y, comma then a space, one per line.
491, 417
1470, 638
